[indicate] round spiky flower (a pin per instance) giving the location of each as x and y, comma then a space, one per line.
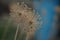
24, 16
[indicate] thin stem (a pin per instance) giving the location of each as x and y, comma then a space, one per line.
15, 37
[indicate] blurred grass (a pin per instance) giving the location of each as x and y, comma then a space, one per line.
7, 31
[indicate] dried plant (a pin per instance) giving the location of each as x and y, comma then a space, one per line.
25, 18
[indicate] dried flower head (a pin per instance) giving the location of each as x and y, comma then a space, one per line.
24, 16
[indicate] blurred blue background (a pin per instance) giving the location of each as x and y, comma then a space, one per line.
46, 8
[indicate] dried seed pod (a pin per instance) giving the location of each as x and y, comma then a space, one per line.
25, 17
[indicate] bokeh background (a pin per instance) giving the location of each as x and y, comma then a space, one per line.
46, 8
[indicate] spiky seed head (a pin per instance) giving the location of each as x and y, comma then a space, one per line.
23, 15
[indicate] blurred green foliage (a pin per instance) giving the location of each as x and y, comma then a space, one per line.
8, 30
